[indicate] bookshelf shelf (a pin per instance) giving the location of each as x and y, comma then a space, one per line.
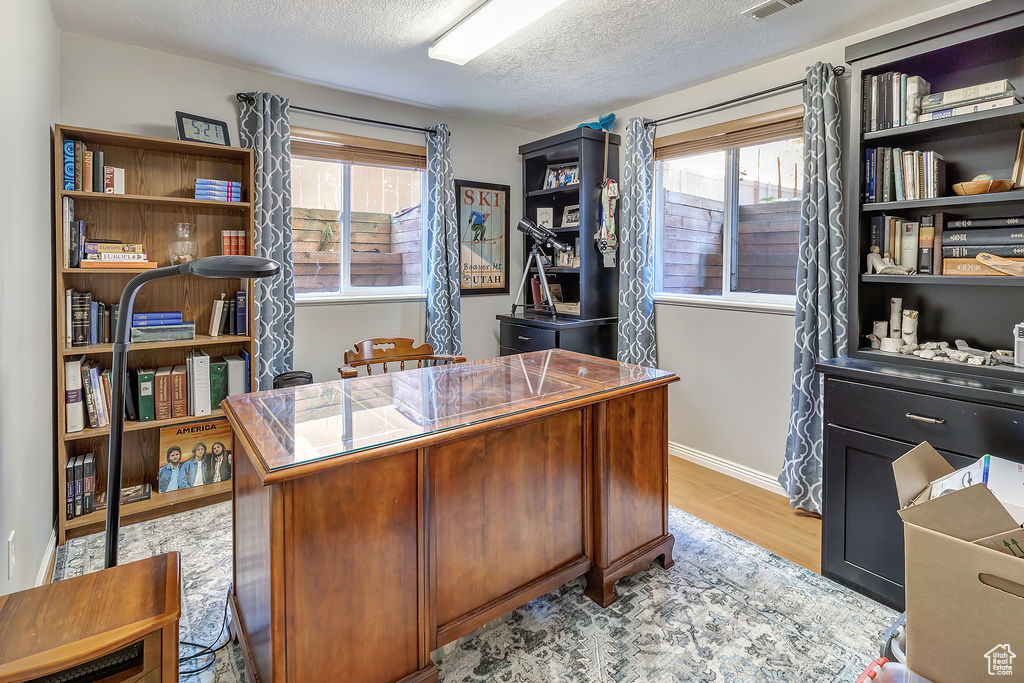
151, 199
954, 280
982, 122
572, 229
153, 507
556, 270
158, 174
200, 340
948, 202
574, 188
135, 426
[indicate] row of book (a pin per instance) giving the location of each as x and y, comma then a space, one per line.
935, 246
88, 321
81, 495
233, 243
218, 190
82, 251
192, 389
229, 316
85, 170
892, 174
894, 99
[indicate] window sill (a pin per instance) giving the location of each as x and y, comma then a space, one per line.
342, 299
726, 304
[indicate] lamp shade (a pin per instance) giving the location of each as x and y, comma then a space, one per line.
232, 267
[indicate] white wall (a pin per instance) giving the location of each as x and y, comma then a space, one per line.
29, 52
119, 87
736, 366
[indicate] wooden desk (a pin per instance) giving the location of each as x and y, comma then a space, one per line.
378, 518
61, 625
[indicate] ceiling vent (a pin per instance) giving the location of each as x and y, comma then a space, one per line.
768, 8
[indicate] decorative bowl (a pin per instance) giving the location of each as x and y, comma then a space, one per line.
982, 187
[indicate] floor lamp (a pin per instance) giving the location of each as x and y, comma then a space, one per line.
210, 266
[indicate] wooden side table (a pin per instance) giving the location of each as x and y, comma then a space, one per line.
120, 623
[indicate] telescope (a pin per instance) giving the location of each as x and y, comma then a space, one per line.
544, 237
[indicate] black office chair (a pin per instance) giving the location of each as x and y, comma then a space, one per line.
293, 378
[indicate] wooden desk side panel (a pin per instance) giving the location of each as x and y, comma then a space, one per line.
257, 520
352, 550
507, 507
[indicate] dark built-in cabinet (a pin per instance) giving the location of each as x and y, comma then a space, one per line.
593, 284
878, 405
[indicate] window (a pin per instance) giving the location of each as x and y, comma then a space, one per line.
357, 216
727, 210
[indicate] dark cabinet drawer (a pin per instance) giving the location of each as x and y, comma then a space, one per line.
525, 338
946, 423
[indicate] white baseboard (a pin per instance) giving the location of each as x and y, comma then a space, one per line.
44, 567
713, 462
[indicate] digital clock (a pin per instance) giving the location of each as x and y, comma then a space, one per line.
201, 129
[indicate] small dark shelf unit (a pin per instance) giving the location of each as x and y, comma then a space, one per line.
593, 285
874, 400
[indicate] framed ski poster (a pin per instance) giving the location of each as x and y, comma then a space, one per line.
482, 212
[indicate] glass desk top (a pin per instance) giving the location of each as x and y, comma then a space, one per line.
306, 424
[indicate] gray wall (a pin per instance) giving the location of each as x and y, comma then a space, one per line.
29, 50
138, 91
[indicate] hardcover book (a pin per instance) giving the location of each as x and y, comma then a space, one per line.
88, 482
994, 236
969, 266
69, 488
179, 392
163, 333
74, 408
162, 392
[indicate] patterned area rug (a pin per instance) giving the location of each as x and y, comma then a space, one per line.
727, 611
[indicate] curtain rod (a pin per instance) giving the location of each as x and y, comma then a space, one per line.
837, 70
249, 99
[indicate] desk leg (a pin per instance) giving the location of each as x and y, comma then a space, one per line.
630, 465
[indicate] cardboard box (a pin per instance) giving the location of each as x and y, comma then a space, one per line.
964, 585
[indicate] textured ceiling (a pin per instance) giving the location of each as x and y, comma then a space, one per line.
583, 58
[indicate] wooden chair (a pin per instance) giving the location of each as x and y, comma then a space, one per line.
384, 350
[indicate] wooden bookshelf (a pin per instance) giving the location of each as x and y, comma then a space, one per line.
159, 180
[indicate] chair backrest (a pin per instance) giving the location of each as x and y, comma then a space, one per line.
395, 350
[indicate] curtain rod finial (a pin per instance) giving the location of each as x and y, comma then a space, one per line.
245, 97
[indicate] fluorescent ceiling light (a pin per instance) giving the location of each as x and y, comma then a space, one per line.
488, 25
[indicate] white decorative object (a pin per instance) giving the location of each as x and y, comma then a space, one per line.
875, 261
881, 328
890, 345
895, 317
928, 354
976, 360
908, 330
876, 341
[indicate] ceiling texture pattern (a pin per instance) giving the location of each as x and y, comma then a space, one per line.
584, 58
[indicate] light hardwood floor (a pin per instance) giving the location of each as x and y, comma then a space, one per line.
748, 511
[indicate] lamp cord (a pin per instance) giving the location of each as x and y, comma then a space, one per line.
206, 650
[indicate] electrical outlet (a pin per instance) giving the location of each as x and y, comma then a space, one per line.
10, 556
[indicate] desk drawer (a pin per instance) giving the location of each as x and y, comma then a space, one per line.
947, 423
526, 338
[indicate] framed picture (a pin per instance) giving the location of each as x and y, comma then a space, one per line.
571, 216
194, 454
560, 175
482, 213
556, 292
546, 217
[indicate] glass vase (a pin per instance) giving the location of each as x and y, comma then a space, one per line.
183, 248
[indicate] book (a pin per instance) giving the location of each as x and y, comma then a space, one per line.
129, 494
157, 323
99, 399
901, 191
105, 386
69, 164
960, 95
236, 374
113, 180
910, 244
965, 251
163, 333
79, 156
81, 304
179, 392
232, 317
109, 257
93, 247
939, 221
97, 171
74, 408
69, 488
162, 392
156, 315
75, 230
928, 109
960, 110
225, 315
77, 478
248, 369
67, 215
227, 242
199, 387
970, 266
218, 382
241, 312
88, 482
216, 314
1007, 222
135, 265
994, 236
87, 171
141, 380
926, 246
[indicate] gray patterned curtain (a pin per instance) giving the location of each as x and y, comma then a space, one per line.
264, 126
821, 287
636, 262
444, 332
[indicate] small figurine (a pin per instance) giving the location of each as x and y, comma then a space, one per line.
884, 265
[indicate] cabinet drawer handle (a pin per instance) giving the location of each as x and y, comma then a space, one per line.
929, 420
522, 338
